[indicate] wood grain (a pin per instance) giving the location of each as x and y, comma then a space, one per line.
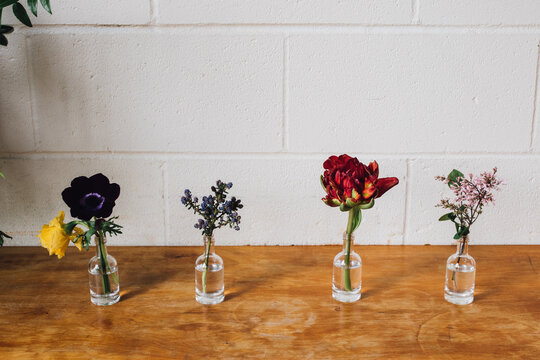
278, 305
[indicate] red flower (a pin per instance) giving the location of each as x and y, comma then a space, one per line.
349, 183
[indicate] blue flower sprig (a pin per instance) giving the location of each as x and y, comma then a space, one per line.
216, 211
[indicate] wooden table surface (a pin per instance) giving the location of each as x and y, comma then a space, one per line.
278, 305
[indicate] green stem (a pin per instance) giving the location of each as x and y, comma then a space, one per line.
103, 264
205, 272
347, 269
461, 248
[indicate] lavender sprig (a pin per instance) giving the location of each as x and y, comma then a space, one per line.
215, 210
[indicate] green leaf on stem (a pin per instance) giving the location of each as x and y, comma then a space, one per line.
6, 29
350, 204
2, 176
6, 3
357, 218
368, 205
344, 207
46, 5
450, 216
2, 236
454, 176
322, 183
32, 4
20, 12
462, 231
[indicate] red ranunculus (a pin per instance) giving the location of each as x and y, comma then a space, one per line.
349, 183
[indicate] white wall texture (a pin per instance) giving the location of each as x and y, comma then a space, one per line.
161, 95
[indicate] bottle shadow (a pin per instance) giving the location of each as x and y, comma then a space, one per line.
144, 276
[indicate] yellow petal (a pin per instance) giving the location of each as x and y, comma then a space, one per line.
53, 238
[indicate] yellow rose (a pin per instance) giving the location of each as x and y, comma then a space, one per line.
54, 238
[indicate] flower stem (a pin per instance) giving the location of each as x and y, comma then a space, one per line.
347, 269
103, 264
205, 272
461, 248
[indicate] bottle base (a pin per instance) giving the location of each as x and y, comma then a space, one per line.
346, 296
209, 298
105, 300
458, 298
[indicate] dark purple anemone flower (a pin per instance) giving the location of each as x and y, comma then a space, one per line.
89, 197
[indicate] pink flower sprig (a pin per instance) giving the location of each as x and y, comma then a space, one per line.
471, 194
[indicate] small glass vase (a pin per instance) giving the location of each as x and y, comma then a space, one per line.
460, 274
103, 274
209, 275
347, 278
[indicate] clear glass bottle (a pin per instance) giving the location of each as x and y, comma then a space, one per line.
103, 275
347, 279
209, 275
460, 273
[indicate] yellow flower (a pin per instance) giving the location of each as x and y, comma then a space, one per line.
54, 238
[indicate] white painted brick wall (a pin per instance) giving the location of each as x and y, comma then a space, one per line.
177, 94
284, 12
117, 12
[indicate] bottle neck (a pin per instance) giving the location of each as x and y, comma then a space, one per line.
209, 247
463, 246
101, 246
348, 241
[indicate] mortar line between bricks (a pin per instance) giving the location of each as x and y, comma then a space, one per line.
285, 115
258, 156
535, 99
291, 29
415, 12
406, 205
154, 12
30, 79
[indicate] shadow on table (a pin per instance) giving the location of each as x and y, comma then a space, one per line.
144, 276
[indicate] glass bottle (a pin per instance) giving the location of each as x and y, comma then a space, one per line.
347, 279
103, 274
209, 275
460, 273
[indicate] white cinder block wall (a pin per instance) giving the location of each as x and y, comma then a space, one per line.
161, 95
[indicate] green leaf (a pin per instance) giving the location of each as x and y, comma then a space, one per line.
368, 205
463, 231
6, 3
357, 218
453, 177
350, 204
32, 4
450, 216
46, 5
344, 207
2, 176
3, 40
322, 184
6, 29
20, 12
2, 236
